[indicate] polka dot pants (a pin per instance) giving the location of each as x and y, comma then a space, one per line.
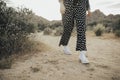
75, 13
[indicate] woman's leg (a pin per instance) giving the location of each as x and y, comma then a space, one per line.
68, 24
80, 16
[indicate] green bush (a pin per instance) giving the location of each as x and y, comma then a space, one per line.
92, 24
47, 31
89, 28
116, 25
116, 28
99, 29
42, 26
15, 26
55, 24
6, 63
117, 33
59, 31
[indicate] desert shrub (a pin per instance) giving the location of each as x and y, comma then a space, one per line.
59, 31
6, 63
116, 28
15, 25
108, 29
55, 24
92, 24
99, 29
32, 28
117, 33
89, 28
47, 31
116, 25
41, 26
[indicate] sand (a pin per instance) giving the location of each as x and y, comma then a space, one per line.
53, 64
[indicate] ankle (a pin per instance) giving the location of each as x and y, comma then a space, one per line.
66, 47
67, 50
82, 52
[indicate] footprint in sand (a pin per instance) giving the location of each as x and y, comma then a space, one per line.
91, 69
103, 66
36, 69
1, 77
116, 78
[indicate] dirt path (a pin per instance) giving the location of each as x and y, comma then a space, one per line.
104, 56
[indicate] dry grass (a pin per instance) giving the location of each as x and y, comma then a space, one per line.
6, 63
30, 49
104, 36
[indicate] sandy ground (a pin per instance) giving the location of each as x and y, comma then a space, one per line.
53, 64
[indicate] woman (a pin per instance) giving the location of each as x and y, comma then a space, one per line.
75, 10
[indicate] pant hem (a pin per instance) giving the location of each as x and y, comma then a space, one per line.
81, 50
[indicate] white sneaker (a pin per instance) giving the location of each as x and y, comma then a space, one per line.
83, 58
67, 51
